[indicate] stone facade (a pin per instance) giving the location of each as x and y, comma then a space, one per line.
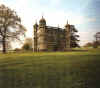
48, 38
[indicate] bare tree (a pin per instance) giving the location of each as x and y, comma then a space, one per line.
97, 40
10, 26
97, 36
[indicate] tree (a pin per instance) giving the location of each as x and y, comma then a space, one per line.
95, 44
10, 26
28, 44
97, 40
74, 37
89, 44
8, 45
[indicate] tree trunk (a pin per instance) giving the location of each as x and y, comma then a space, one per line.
4, 45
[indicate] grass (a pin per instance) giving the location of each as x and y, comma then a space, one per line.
77, 69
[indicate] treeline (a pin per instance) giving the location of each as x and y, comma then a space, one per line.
95, 43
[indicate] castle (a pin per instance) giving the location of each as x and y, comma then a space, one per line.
48, 38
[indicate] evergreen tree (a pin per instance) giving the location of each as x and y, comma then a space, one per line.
74, 37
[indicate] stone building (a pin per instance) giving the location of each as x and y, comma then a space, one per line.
48, 38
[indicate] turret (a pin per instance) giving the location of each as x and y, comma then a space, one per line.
35, 37
42, 22
42, 43
35, 26
67, 36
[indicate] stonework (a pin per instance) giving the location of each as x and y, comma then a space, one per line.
48, 38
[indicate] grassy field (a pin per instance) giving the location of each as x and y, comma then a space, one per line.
77, 69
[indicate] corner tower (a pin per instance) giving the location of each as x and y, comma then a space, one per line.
67, 36
35, 37
42, 43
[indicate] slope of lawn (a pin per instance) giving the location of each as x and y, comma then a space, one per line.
77, 69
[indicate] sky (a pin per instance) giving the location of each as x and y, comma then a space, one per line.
85, 15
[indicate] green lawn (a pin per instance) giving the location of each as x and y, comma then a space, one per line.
77, 69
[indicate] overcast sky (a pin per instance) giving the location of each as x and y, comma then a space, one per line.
85, 15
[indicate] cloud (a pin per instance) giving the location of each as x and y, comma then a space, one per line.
91, 19
60, 17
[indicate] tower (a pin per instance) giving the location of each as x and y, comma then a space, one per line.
42, 43
67, 36
35, 37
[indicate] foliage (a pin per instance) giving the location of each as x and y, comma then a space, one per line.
74, 37
89, 44
10, 26
96, 43
28, 44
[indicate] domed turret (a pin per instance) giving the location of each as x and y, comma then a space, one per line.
42, 21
